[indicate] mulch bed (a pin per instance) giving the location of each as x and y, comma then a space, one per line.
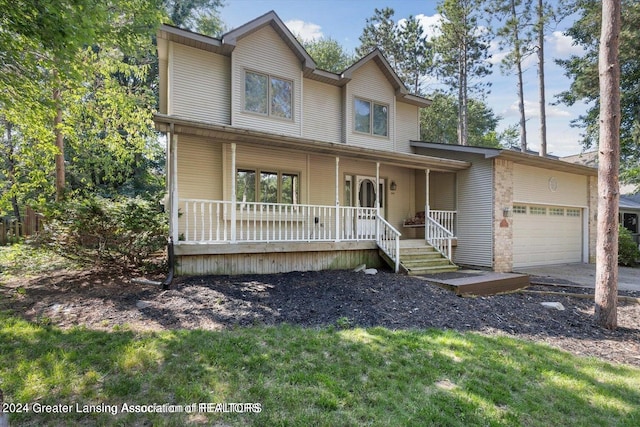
102, 300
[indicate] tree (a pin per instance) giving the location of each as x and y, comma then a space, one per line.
461, 52
328, 54
380, 32
201, 16
404, 44
515, 36
608, 166
415, 55
436, 124
583, 70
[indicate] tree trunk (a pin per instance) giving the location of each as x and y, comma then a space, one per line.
543, 113
609, 163
11, 169
57, 122
518, 60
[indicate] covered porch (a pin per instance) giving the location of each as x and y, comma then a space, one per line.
372, 194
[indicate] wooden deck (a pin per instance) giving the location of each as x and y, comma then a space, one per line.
472, 282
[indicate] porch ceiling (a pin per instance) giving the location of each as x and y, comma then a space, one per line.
251, 137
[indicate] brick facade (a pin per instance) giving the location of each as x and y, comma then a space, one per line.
503, 216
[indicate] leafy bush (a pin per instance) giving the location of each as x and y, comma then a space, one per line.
628, 251
122, 232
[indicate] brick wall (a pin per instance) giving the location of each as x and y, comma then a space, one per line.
593, 213
503, 225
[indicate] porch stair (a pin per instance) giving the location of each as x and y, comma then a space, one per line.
418, 258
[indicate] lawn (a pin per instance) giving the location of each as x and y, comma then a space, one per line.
293, 376
300, 377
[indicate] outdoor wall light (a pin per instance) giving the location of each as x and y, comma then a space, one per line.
393, 186
506, 212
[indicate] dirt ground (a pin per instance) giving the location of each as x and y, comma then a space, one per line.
101, 300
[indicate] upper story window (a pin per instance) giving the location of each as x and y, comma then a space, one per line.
371, 117
268, 95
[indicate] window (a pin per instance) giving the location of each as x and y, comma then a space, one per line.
268, 95
537, 211
371, 117
556, 211
519, 209
267, 186
573, 212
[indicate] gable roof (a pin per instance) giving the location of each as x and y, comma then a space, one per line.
515, 156
228, 42
272, 19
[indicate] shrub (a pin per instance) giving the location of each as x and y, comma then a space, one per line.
94, 229
628, 251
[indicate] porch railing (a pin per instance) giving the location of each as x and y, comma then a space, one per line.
210, 221
447, 219
439, 237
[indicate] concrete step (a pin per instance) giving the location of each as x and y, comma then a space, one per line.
428, 262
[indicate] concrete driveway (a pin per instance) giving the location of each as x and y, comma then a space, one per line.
585, 275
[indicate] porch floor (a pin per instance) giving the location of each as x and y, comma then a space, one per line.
476, 282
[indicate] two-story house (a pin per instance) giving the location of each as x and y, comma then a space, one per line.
275, 165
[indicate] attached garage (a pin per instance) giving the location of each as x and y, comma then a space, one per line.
546, 235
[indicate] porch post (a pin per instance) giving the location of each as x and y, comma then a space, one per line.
377, 193
173, 184
337, 199
233, 192
426, 206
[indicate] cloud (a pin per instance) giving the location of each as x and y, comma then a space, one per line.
307, 31
562, 45
532, 109
430, 24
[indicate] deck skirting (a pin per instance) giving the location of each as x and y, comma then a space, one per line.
271, 258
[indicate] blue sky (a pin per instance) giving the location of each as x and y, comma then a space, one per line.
343, 21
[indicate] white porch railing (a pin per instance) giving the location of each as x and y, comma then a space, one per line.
211, 221
447, 219
389, 241
438, 237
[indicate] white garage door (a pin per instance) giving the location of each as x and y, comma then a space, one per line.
546, 235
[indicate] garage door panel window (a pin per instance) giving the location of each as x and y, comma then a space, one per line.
519, 209
573, 212
556, 211
535, 210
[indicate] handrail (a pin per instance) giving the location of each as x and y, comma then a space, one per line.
389, 241
439, 237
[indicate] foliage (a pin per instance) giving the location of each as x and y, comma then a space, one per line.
328, 54
404, 44
301, 377
583, 70
436, 124
201, 16
461, 52
94, 229
628, 252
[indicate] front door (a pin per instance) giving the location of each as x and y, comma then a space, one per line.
366, 196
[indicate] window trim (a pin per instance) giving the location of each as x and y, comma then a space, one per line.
372, 105
269, 112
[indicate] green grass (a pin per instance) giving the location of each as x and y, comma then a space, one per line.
302, 377
22, 260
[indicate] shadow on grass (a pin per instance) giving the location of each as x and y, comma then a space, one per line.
310, 376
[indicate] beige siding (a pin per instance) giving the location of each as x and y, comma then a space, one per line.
544, 186
322, 177
200, 85
322, 111
265, 52
407, 126
199, 171
369, 83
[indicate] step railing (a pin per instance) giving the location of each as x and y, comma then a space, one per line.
439, 237
389, 241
